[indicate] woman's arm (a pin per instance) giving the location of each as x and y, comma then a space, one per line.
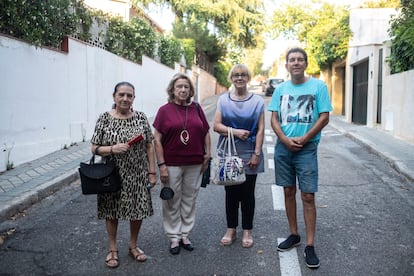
159, 152
119, 148
222, 129
207, 152
260, 134
152, 177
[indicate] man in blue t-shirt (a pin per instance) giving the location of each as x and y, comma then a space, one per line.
300, 110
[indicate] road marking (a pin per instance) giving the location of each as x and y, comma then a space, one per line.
270, 149
289, 263
278, 197
271, 164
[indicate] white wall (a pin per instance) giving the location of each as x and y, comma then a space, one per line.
50, 99
369, 26
397, 102
369, 31
370, 34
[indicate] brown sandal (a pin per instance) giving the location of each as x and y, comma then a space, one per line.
112, 260
229, 237
247, 240
137, 254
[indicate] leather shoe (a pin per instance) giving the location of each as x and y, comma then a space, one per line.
188, 246
175, 250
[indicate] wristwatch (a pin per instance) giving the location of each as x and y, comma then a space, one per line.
257, 153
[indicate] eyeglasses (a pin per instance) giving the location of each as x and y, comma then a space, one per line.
242, 75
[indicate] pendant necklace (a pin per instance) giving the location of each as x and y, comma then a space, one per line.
184, 135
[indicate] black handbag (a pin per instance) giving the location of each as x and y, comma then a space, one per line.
99, 178
166, 193
206, 175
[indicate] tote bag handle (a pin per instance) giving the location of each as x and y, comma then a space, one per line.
232, 151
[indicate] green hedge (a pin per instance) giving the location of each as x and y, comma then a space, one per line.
169, 50
41, 23
402, 34
46, 23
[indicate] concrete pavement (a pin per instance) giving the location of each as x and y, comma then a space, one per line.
31, 182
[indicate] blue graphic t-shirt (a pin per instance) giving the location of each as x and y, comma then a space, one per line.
299, 106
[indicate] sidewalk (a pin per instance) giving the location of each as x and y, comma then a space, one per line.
31, 182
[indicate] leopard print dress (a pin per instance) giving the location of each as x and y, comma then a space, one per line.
133, 202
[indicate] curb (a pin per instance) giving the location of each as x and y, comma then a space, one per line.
400, 167
25, 200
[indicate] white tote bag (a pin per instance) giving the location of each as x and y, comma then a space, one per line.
226, 167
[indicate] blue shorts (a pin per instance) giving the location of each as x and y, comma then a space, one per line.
302, 165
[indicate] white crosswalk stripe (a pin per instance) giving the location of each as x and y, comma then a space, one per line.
278, 198
289, 263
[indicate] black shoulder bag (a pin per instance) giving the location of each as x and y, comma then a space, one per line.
99, 178
206, 175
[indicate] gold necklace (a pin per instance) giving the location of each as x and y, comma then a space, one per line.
184, 135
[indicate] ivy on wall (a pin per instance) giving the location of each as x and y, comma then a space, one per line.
41, 23
46, 23
402, 32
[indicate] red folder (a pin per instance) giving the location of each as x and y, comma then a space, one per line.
135, 140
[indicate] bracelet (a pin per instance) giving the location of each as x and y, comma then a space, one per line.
111, 149
148, 173
160, 164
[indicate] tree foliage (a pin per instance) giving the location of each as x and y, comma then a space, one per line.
402, 39
322, 27
240, 21
204, 41
170, 50
216, 25
382, 4
328, 40
189, 50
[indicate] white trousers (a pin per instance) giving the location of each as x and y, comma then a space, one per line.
179, 212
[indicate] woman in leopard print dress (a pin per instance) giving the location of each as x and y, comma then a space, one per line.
136, 166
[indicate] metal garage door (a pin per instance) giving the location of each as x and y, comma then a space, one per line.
360, 93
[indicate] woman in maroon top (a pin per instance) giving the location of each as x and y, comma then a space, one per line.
182, 146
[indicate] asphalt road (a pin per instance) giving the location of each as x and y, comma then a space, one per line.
365, 226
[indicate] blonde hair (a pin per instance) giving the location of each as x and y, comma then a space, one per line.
242, 68
170, 87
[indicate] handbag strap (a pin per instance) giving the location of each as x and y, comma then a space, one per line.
92, 161
231, 144
222, 146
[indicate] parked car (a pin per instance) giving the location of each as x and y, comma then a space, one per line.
271, 85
